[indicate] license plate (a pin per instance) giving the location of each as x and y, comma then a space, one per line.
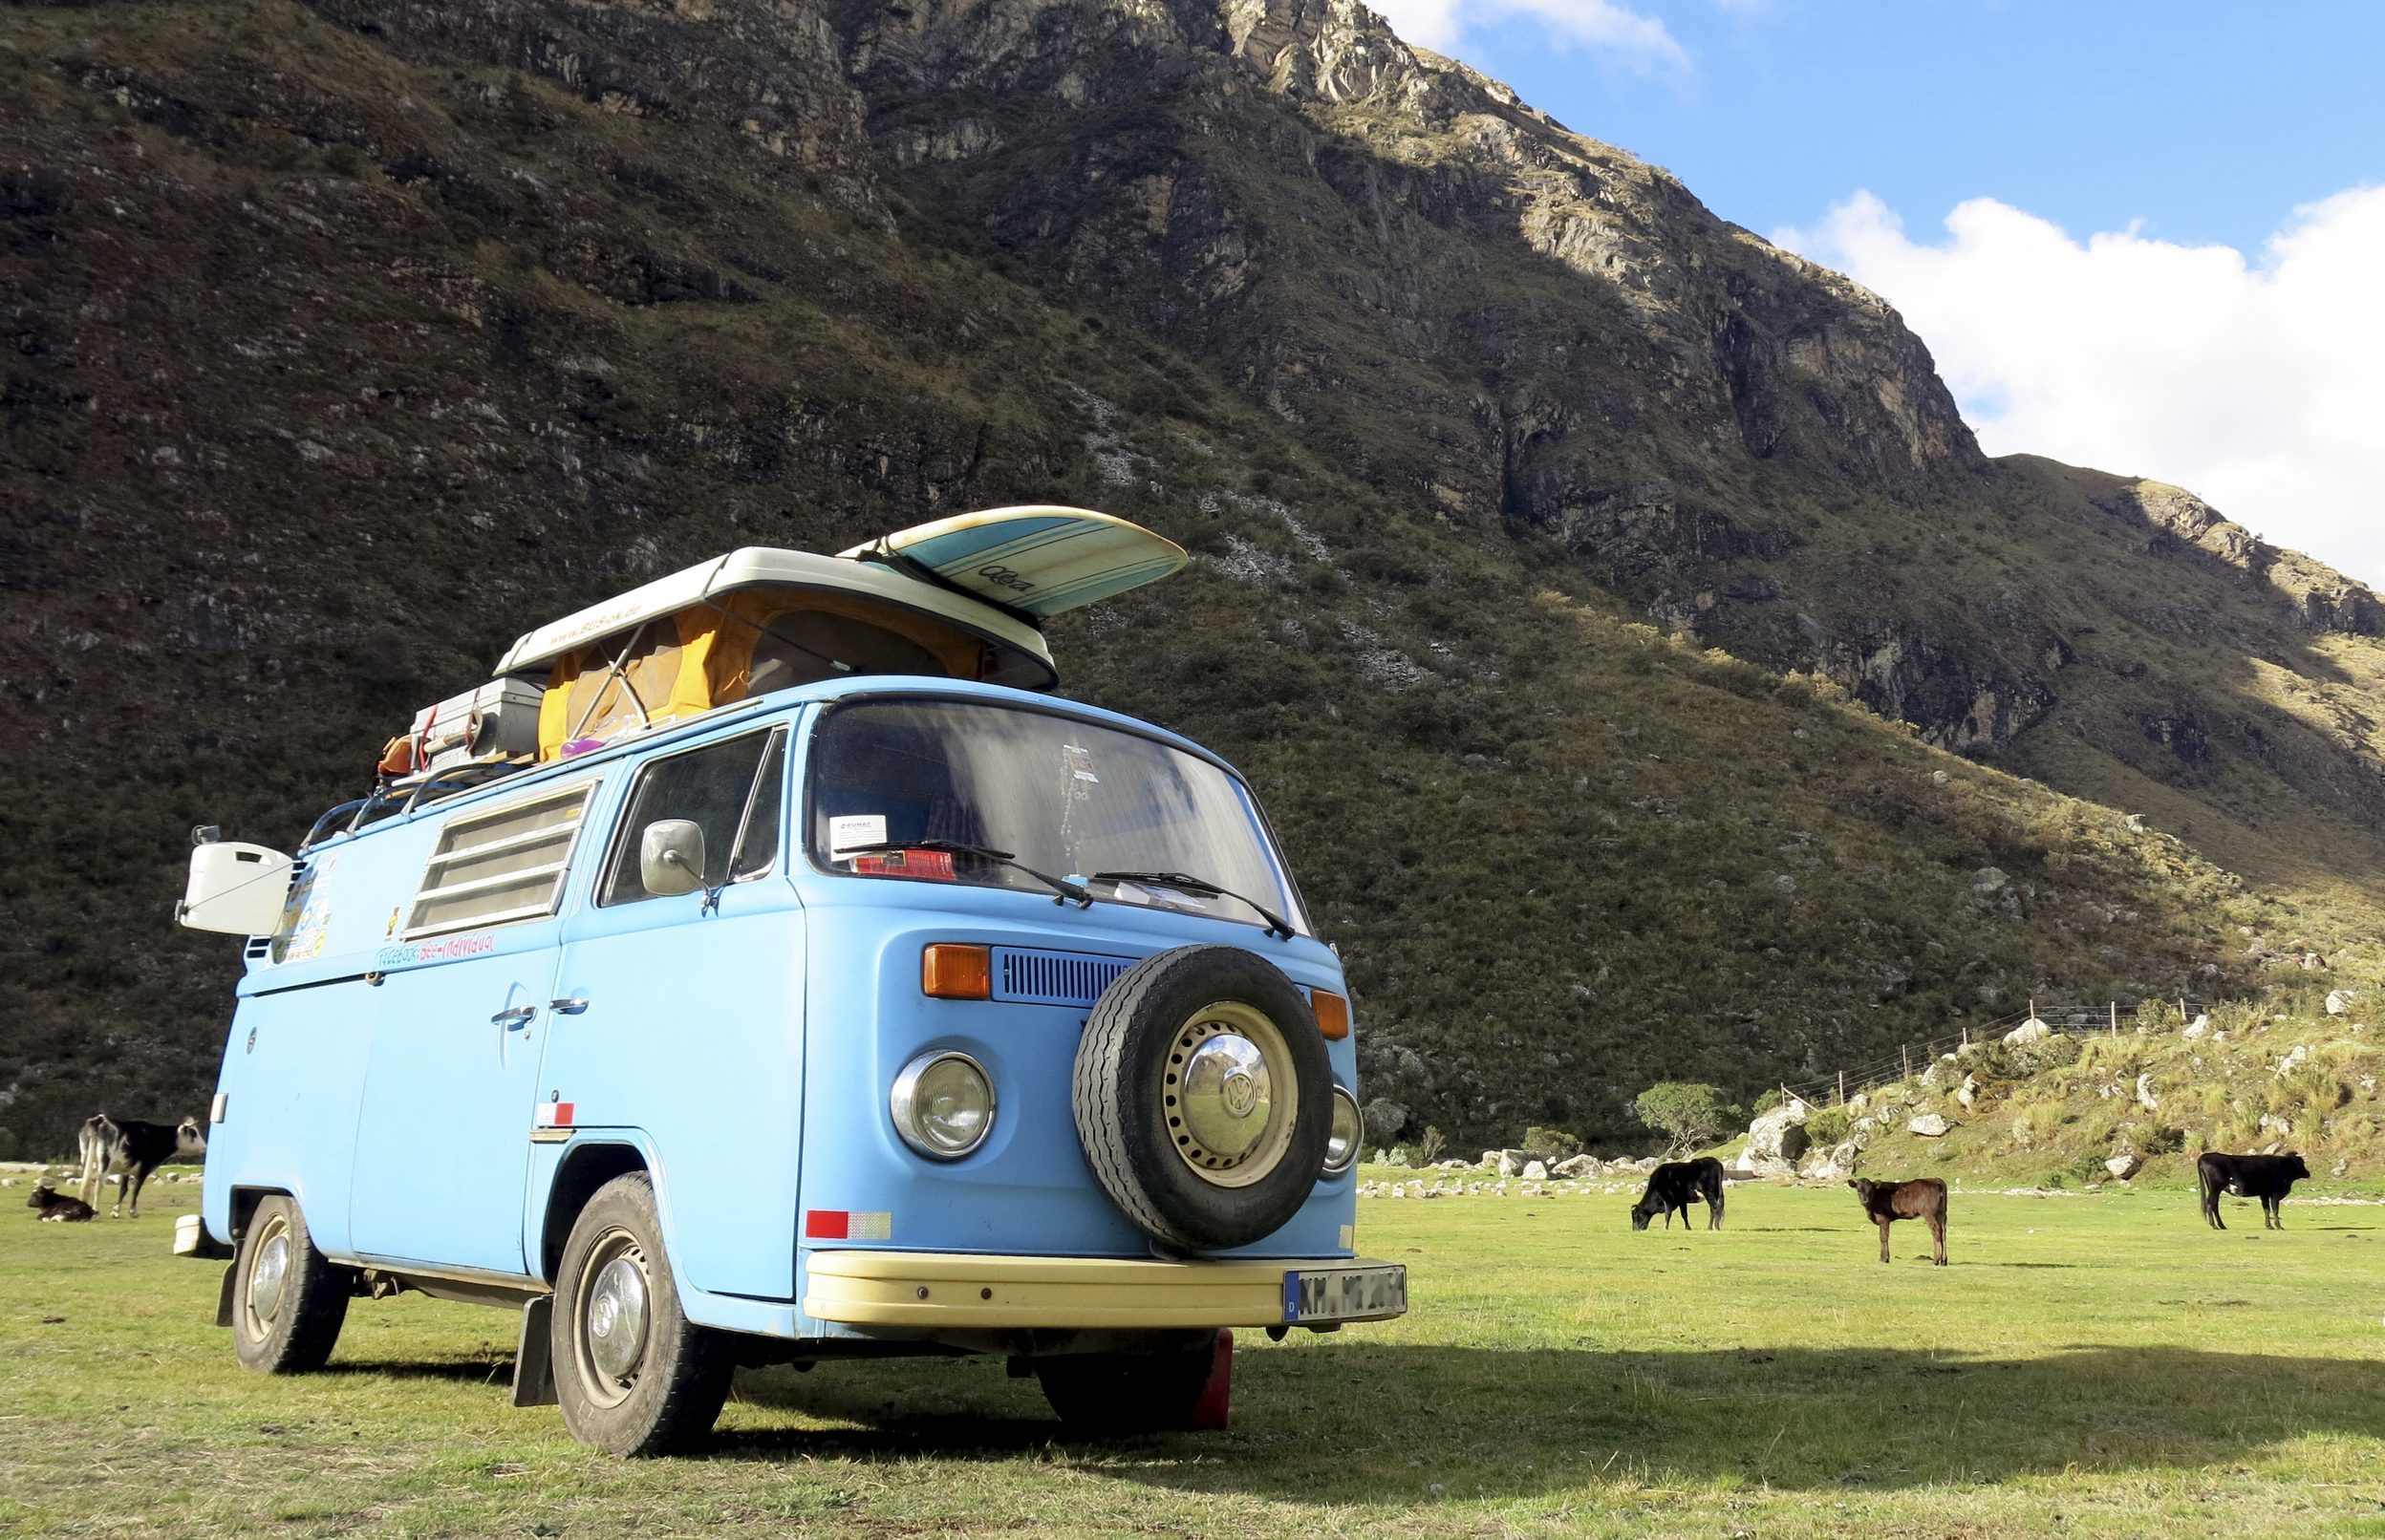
1345, 1294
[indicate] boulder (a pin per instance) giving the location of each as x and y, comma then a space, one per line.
2032, 1030
1384, 1118
1489, 1160
1987, 880
1967, 1093
2124, 1164
1929, 1126
1577, 1166
2145, 1094
1777, 1138
2198, 1029
1536, 1171
2339, 1002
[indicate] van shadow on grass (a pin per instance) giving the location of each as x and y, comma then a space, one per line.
1418, 1425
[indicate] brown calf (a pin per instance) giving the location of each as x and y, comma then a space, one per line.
1923, 1198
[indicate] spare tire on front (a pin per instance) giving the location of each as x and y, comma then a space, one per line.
1203, 1097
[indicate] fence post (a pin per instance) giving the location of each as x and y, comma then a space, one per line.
1908, 1059
2115, 1018
1842, 1087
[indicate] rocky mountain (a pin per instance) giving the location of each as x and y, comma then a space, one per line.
1648, 674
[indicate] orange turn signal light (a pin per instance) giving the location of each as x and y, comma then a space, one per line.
956, 970
1333, 1013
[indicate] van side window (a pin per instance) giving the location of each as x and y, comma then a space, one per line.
731, 791
501, 864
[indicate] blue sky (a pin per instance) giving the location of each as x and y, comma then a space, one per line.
2147, 237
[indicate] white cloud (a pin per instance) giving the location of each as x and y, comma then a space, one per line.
1640, 42
2258, 385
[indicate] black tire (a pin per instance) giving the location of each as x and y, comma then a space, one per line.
1129, 1393
676, 1374
1123, 1094
289, 1299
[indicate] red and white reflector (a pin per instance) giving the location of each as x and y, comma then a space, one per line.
554, 1115
848, 1225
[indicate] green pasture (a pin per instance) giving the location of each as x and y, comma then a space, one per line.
2098, 1365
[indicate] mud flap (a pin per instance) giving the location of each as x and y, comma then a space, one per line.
533, 1361
1211, 1412
223, 1295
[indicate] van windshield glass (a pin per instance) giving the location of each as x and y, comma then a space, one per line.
937, 789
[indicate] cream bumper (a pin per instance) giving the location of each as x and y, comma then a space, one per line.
943, 1290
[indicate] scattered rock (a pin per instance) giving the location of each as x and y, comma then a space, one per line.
1989, 880
2339, 1002
2124, 1164
1536, 1171
1777, 1138
1929, 1126
1967, 1093
2145, 1096
2198, 1029
1578, 1165
1385, 1117
2032, 1030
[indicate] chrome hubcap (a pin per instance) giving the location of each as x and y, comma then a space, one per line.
616, 1317
1225, 1096
1230, 1094
266, 1277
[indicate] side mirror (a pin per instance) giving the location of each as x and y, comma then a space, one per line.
671, 857
237, 889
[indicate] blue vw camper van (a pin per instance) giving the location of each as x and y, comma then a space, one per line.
768, 969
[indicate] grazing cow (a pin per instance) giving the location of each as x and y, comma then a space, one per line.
2265, 1177
128, 1151
1676, 1184
62, 1210
1924, 1198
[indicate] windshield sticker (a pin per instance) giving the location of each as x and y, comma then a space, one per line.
851, 831
1078, 761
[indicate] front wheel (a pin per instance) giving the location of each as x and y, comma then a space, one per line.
289, 1299
634, 1376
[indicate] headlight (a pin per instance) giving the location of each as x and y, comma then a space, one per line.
943, 1106
1349, 1131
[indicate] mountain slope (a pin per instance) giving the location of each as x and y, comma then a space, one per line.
353, 338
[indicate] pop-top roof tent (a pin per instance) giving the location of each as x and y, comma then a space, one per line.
960, 598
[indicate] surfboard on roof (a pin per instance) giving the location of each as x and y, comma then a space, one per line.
1038, 559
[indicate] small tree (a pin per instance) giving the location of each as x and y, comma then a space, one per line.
1430, 1146
1553, 1143
1688, 1116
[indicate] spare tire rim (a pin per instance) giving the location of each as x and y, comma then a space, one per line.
1230, 1094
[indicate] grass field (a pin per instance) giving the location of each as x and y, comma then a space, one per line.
2088, 1366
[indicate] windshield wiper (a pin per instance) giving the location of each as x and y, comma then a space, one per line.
1185, 883
1062, 887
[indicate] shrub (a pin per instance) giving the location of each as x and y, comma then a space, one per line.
1552, 1143
1428, 1148
1689, 1115
1827, 1126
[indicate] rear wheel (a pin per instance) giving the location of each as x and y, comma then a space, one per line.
289, 1299
1127, 1393
634, 1375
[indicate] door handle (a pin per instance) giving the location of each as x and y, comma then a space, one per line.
570, 1007
515, 1020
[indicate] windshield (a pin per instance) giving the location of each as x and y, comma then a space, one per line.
953, 791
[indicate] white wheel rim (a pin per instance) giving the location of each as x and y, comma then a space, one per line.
1229, 1094
612, 1333
269, 1277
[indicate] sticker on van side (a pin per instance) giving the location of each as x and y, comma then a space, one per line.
446, 948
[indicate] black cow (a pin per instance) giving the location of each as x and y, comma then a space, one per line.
1923, 1198
2265, 1177
1676, 1184
129, 1150
63, 1211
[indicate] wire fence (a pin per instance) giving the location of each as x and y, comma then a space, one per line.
1908, 1059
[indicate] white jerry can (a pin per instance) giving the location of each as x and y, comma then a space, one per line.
235, 889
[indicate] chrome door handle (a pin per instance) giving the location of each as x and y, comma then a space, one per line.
570, 1007
515, 1020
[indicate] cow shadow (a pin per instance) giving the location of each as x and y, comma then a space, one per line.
1391, 1424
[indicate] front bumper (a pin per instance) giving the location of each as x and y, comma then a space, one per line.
947, 1290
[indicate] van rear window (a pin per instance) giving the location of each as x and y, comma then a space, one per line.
502, 865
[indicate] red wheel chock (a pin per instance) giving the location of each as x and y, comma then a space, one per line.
1211, 1413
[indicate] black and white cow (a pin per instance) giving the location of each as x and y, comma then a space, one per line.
129, 1150
2265, 1177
